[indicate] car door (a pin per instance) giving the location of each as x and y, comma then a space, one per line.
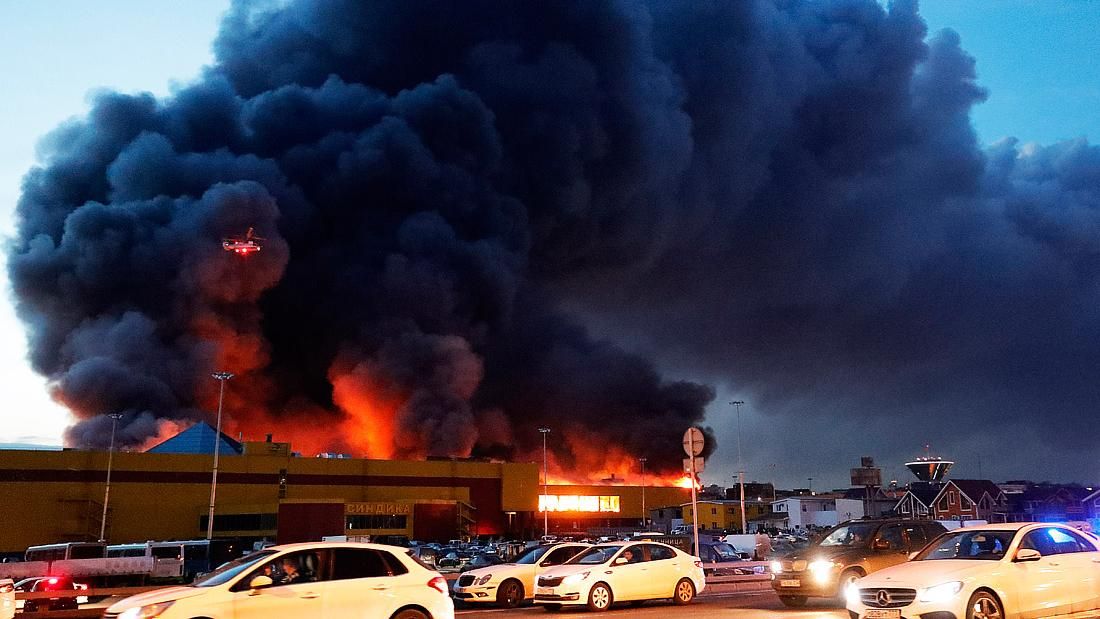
1045, 588
889, 547
1081, 561
366, 578
663, 571
627, 573
297, 585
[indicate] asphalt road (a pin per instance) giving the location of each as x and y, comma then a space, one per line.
743, 605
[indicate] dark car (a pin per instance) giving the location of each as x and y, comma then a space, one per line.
41, 584
845, 553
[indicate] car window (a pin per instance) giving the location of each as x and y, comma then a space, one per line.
660, 553
892, 535
978, 545
916, 536
1055, 541
290, 569
851, 535
559, 556
532, 556
595, 555
348, 563
632, 554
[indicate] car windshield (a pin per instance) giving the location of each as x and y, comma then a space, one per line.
978, 545
533, 555
595, 555
725, 551
849, 535
228, 571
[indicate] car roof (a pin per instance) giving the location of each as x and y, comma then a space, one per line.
1008, 526
325, 545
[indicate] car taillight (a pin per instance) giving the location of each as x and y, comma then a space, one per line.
7, 588
698, 563
439, 584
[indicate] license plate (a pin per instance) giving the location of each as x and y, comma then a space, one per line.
790, 583
887, 613
544, 591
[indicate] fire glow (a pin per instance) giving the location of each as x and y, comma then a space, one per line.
578, 503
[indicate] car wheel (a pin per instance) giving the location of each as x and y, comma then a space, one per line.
984, 605
793, 601
552, 608
600, 598
685, 592
847, 577
510, 594
409, 613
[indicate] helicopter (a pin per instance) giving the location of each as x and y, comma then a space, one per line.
248, 244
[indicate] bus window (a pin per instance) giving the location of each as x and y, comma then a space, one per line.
167, 552
86, 552
196, 552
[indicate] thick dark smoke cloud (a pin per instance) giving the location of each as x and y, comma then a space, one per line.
783, 196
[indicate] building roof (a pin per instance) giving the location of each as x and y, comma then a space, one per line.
975, 488
925, 491
198, 439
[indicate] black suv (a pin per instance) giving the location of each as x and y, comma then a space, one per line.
845, 553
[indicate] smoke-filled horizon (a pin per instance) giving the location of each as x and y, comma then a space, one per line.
786, 197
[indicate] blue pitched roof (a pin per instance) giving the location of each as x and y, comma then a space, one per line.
198, 439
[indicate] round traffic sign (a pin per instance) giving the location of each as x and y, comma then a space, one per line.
693, 441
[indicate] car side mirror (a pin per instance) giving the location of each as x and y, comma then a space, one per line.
1028, 554
881, 544
619, 561
259, 582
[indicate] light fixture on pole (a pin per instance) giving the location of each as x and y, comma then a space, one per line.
107, 492
546, 504
221, 377
740, 466
645, 514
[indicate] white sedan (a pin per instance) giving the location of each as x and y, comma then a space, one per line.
508, 584
326, 579
633, 571
988, 572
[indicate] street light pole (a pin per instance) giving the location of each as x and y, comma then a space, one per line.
221, 377
545, 514
645, 514
740, 466
107, 493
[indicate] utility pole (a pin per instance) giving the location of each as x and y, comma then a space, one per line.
645, 514
221, 377
740, 466
107, 493
545, 513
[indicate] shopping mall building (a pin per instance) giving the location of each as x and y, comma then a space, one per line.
266, 491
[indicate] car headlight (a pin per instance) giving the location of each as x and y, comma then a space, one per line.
777, 567
822, 569
851, 594
941, 593
573, 579
145, 612
484, 579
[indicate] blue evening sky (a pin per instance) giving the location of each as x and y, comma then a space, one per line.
1038, 59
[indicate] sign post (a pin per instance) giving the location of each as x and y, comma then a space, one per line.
693, 446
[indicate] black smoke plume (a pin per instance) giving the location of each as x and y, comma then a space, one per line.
784, 195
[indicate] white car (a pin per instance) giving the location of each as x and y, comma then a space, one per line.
509, 584
988, 572
623, 572
7, 598
326, 579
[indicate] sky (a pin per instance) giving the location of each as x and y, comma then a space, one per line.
54, 54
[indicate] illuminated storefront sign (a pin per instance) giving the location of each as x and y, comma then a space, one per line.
577, 503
